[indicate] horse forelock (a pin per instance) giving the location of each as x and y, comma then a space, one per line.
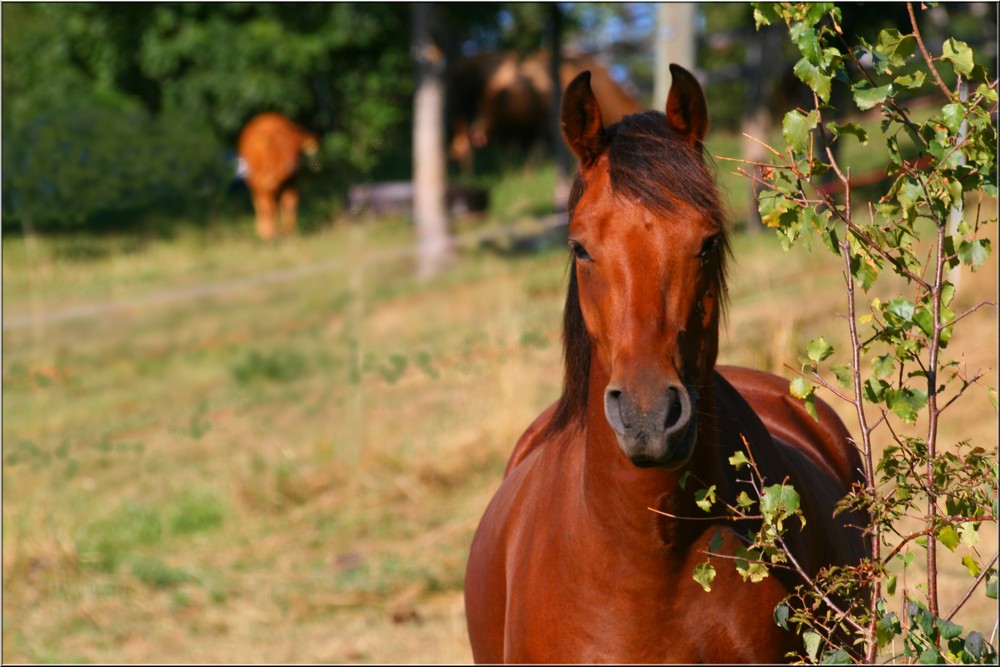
648, 163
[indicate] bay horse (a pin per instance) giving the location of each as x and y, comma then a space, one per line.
269, 146
504, 99
569, 564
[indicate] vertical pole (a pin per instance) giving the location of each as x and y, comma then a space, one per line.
675, 43
429, 167
561, 155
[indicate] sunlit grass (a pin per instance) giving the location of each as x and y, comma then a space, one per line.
292, 470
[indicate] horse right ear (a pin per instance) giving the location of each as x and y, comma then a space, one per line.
582, 124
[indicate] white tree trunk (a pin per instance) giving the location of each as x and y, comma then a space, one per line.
675, 43
429, 176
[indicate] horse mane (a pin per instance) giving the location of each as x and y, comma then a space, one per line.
649, 162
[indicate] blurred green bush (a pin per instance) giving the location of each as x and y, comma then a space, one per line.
78, 168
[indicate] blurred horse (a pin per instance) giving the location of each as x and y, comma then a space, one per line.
505, 99
569, 564
269, 148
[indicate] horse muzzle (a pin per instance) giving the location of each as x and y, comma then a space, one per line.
657, 432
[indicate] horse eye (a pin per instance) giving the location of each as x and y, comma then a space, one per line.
708, 246
579, 250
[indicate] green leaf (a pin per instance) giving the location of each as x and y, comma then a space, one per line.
887, 629
901, 309
924, 319
812, 641
772, 206
947, 294
874, 390
800, 388
836, 657
883, 366
930, 656
959, 54
705, 498
974, 252
818, 349
953, 115
781, 613
738, 460
948, 629
765, 14
844, 376
682, 482
796, 129
779, 501
890, 584
704, 574
807, 40
949, 537
716, 542
853, 129
895, 47
754, 572
970, 536
974, 644
867, 97
971, 565
911, 81
991, 585
906, 402
814, 77
744, 500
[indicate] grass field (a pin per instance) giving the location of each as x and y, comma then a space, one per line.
291, 471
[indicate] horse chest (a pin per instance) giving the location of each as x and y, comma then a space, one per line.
627, 600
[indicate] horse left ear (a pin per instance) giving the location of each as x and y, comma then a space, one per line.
687, 112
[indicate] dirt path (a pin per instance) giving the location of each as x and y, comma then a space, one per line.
46, 317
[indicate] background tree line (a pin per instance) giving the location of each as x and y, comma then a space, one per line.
113, 109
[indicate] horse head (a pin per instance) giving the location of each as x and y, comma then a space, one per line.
648, 281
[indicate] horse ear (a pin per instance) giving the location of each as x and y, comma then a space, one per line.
687, 112
582, 125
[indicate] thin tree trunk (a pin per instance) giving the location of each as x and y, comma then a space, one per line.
675, 43
559, 150
429, 175
761, 69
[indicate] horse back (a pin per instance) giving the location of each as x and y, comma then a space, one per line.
826, 440
270, 145
817, 454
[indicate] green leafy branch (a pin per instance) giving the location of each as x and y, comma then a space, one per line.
933, 166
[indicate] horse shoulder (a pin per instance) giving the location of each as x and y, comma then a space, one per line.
819, 455
501, 547
827, 441
531, 439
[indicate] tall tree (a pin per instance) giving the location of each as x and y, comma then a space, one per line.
429, 182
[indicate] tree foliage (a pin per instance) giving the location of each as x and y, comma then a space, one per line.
896, 373
190, 68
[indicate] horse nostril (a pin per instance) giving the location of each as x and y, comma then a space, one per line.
675, 407
613, 410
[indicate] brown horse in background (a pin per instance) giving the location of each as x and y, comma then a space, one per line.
505, 99
569, 564
269, 146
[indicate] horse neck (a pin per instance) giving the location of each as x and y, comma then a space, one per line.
618, 493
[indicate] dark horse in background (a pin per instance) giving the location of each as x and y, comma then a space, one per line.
504, 99
568, 563
269, 148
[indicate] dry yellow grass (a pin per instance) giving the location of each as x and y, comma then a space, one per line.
293, 472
